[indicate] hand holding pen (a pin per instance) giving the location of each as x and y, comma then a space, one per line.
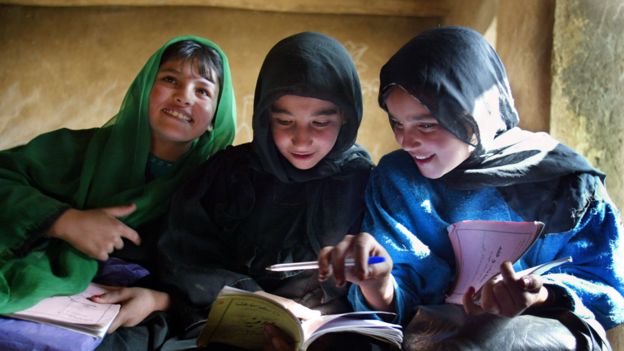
374, 279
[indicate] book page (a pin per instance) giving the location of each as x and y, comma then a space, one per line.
74, 312
363, 322
544, 267
482, 246
238, 317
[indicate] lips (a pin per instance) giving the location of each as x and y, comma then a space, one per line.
422, 159
301, 156
177, 114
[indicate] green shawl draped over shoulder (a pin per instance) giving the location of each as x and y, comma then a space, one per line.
86, 169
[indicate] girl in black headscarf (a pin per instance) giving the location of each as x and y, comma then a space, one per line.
297, 187
464, 158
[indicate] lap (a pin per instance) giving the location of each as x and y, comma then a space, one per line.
447, 327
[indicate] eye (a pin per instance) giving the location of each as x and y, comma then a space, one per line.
396, 124
282, 122
204, 92
168, 79
321, 124
427, 127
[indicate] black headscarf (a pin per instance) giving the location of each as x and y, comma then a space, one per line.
247, 208
312, 65
462, 81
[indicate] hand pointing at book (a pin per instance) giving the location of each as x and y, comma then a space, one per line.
374, 280
507, 294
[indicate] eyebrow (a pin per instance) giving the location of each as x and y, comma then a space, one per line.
326, 111
416, 117
176, 72
275, 109
323, 112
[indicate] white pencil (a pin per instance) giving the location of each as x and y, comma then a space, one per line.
296, 266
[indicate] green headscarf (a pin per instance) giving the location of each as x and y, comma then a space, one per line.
90, 169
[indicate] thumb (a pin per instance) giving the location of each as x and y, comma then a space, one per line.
120, 211
531, 283
114, 296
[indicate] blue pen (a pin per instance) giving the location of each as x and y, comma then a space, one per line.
296, 266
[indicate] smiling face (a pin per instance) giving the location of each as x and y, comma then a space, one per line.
434, 149
182, 105
304, 129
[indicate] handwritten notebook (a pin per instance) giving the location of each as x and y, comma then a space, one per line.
75, 312
481, 247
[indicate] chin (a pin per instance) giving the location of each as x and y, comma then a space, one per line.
431, 175
304, 166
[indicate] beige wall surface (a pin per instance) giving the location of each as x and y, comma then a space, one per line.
524, 42
71, 66
588, 85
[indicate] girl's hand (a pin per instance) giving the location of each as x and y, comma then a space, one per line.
507, 294
375, 280
136, 304
276, 340
95, 232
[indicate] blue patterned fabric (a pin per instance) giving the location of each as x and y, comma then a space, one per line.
408, 214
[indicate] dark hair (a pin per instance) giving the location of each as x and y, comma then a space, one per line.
207, 59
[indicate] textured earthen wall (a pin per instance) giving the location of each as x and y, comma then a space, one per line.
71, 66
588, 84
524, 42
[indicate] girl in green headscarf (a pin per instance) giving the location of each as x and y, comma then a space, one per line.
70, 197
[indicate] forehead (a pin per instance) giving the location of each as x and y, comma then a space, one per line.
302, 103
191, 66
401, 104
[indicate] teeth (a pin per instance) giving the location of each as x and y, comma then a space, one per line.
178, 115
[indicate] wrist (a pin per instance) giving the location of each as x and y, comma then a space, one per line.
57, 228
379, 293
544, 297
162, 301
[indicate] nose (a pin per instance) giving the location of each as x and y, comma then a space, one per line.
301, 136
409, 139
183, 96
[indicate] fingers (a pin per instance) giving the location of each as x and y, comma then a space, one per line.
119, 244
362, 249
507, 272
112, 296
130, 234
325, 267
124, 230
120, 211
511, 294
370, 247
488, 299
358, 248
507, 299
531, 283
100, 256
470, 306
117, 322
276, 339
338, 256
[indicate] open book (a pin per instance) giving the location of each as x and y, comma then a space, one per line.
481, 247
237, 318
75, 312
